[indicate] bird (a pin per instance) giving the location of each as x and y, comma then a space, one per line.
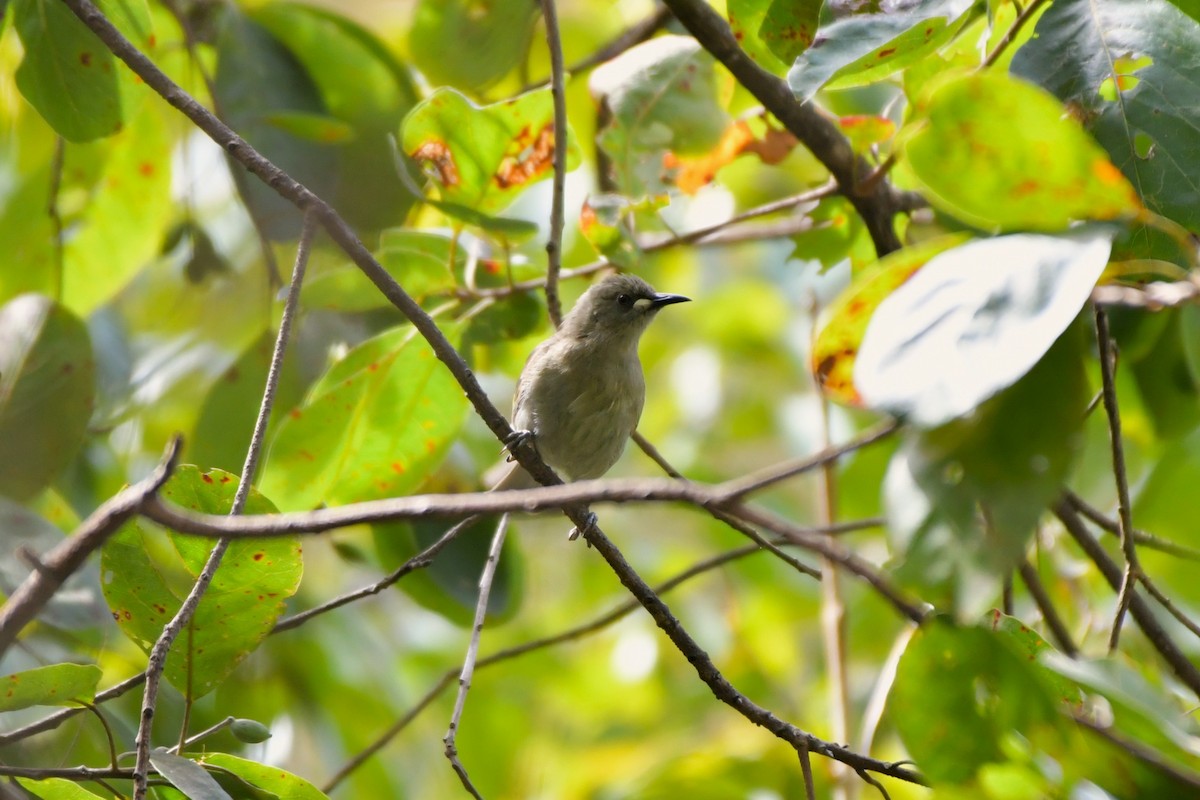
581, 392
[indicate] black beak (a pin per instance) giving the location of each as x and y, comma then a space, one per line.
661, 300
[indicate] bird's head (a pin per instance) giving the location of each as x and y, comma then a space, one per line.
617, 308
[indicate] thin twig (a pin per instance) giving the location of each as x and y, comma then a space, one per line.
810, 792
1124, 513
468, 667
1152, 296
554, 243
1011, 34
1144, 539
1182, 618
52, 721
24, 604
1180, 664
1041, 598
1142, 753
761, 479
419, 561
204, 734
157, 661
811, 196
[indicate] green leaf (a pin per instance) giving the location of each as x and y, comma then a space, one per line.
1169, 388
837, 233
845, 320
319, 128
972, 321
187, 776
1123, 69
55, 789
373, 426
241, 605
46, 392
283, 784
963, 500
129, 207
662, 96
423, 262
1001, 153
858, 50
470, 43
258, 78
68, 74
55, 685
366, 93
481, 158
961, 695
604, 221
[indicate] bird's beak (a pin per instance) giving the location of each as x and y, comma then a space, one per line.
661, 300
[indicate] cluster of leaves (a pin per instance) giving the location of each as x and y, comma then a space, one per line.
1050, 143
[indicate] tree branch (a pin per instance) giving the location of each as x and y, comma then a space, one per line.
877, 205
554, 243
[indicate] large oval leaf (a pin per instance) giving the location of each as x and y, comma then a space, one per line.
54, 685
46, 392
973, 320
373, 426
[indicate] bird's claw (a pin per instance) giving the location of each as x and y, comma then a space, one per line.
515, 440
588, 524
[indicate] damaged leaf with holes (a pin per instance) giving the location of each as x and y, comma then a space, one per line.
145, 579
483, 157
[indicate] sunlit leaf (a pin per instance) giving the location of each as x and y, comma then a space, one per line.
604, 220
374, 426
241, 605
1124, 70
774, 32
46, 392
862, 49
68, 74
55, 685
694, 173
972, 321
1001, 153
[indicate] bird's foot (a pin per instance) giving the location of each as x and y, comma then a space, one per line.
515, 440
589, 523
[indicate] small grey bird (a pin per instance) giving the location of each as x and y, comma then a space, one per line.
581, 392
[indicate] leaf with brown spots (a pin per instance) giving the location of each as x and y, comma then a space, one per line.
835, 348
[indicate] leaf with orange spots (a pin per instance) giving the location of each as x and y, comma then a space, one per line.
374, 425
246, 597
1001, 153
54, 685
835, 349
693, 174
483, 157
774, 32
862, 49
68, 75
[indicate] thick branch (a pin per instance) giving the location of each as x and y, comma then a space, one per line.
876, 204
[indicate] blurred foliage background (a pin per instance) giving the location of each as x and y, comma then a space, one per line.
141, 287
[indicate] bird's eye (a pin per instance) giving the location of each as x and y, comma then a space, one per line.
625, 300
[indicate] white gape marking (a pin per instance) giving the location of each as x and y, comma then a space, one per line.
641, 304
